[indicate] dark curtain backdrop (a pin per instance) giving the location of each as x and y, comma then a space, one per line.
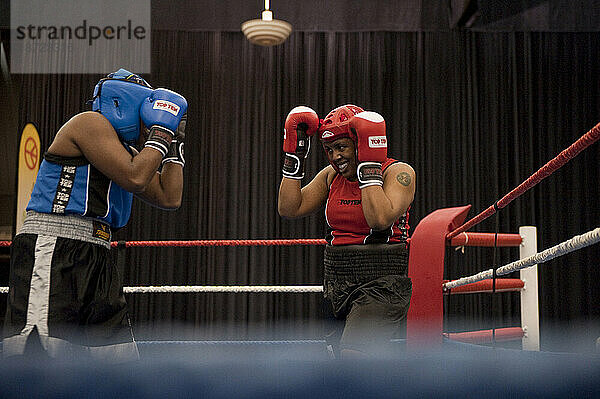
475, 114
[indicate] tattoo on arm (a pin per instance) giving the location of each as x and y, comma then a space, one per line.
403, 178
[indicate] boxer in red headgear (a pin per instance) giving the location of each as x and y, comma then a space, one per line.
366, 196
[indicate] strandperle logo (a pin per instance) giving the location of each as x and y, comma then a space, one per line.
80, 36
84, 31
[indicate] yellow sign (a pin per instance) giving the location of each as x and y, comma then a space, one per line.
29, 164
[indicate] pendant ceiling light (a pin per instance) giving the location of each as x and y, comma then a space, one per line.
266, 31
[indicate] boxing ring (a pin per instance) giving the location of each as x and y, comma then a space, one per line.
428, 346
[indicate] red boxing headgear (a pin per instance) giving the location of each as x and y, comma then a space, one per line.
336, 123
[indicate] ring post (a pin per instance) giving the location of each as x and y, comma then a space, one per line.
425, 318
530, 317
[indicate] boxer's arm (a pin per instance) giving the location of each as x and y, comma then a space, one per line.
90, 135
382, 206
295, 201
165, 190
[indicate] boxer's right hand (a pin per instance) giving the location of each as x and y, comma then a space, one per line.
301, 123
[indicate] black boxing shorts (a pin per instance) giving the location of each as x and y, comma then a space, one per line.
367, 286
64, 286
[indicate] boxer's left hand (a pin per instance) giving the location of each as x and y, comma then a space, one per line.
175, 153
371, 147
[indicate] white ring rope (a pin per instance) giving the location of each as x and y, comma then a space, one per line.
223, 288
575, 243
213, 288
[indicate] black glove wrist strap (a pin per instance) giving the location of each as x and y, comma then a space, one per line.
160, 139
369, 174
175, 153
293, 166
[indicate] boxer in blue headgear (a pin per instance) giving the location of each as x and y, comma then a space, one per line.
118, 97
66, 295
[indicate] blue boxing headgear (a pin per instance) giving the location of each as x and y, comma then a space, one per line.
118, 97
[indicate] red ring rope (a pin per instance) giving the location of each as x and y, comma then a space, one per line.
486, 240
221, 243
566, 155
210, 243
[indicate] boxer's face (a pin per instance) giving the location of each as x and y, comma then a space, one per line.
342, 154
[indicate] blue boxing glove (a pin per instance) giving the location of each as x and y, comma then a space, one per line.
161, 114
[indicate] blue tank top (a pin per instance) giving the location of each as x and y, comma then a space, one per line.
67, 185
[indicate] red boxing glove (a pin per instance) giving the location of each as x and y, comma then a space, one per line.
301, 123
371, 147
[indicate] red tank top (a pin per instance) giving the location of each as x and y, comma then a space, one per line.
346, 222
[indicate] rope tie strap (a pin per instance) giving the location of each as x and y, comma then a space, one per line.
573, 244
461, 248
